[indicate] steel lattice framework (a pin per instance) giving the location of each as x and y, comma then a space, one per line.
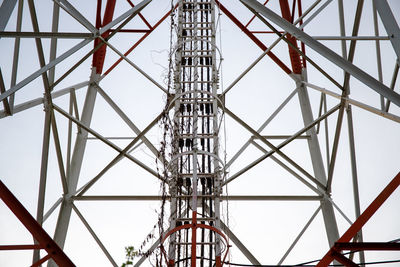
274, 168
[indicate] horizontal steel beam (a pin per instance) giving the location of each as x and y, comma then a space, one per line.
230, 198
358, 38
40, 100
64, 35
356, 103
282, 137
20, 247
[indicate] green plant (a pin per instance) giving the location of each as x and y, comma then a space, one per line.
130, 254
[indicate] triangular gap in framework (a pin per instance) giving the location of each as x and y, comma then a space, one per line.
38, 233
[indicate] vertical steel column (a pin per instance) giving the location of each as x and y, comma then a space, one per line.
316, 158
16, 53
313, 143
43, 175
351, 130
76, 163
81, 139
46, 131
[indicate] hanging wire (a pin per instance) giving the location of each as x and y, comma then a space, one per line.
220, 70
167, 137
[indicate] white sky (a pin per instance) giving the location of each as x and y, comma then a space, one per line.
266, 228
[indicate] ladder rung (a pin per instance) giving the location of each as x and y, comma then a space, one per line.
197, 243
198, 219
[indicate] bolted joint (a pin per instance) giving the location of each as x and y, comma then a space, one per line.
46, 103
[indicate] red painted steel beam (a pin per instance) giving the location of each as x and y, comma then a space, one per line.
131, 30
42, 260
98, 14
372, 208
293, 9
139, 41
362, 220
253, 37
343, 260
193, 226
254, 16
264, 32
141, 16
303, 47
100, 54
294, 56
40, 235
20, 247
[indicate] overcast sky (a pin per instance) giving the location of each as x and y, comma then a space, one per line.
266, 228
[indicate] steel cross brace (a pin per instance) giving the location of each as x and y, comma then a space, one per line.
359, 74
253, 37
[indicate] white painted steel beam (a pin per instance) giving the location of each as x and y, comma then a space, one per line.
318, 164
299, 236
391, 26
76, 164
95, 237
361, 75
58, 35
43, 177
40, 100
6, 104
357, 38
130, 13
6, 10
223, 197
70, 9
239, 244
393, 83
54, 41
16, 53
356, 103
